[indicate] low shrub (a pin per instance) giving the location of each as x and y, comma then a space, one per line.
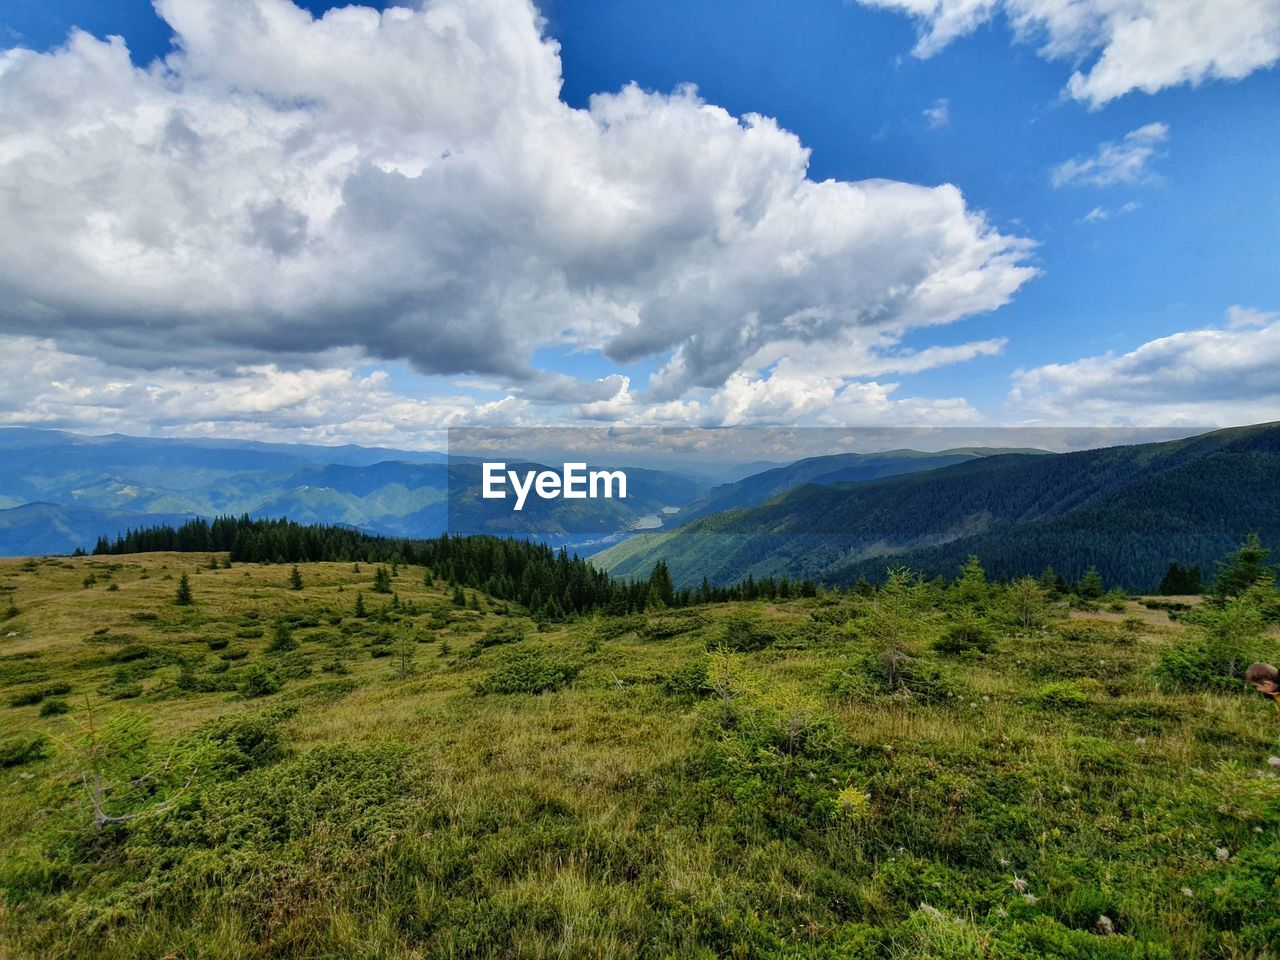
20, 748
526, 671
257, 681
689, 682
499, 636
26, 698
1065, 695
744, 633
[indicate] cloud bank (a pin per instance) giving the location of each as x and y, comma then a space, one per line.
1214, 375
409, 185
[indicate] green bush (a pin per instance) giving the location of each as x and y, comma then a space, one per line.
20, 748
241, 742
26, 698
1064, 695
54, 707
744, 633
257, 681
526, 671
671, 624
502, 635
121, 691
851, 684
966, 633
1228, 635
689, 682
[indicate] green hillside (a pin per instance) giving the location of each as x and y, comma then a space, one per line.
309, 767
1129, 511
836, 468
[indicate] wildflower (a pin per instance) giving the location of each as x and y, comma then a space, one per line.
1031, 898
1019, 883
1273, 761
1002, 913
1004, 862
1188, 892
933, 913
1222, 853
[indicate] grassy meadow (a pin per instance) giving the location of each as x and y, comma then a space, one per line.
262, 773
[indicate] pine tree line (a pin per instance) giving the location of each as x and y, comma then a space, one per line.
548, 582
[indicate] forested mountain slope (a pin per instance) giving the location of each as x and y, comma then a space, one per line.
1128, 510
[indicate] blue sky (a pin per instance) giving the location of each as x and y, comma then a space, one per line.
1185, 235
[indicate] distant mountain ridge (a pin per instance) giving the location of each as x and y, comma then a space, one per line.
84, 487
828, 470
1127, 510
47, 528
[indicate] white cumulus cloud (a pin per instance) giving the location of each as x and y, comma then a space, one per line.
409, 185
1210, 376
1127, 45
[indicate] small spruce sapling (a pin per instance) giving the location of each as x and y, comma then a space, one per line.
281, 638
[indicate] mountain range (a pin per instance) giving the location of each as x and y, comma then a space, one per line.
60, 491
1129, 511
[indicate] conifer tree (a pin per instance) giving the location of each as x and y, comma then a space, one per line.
1179, 580
661, 591
295, 578
1243, 569
1091, 586
1029, 602
281, 638
183, 597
